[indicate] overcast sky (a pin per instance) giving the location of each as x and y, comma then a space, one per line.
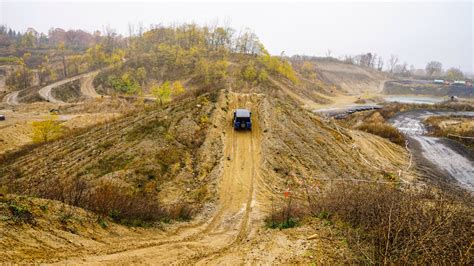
416, 32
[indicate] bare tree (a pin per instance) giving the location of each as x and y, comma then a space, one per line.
392, 62
380, 64
401, 69
433, 68
328, 53
454, 73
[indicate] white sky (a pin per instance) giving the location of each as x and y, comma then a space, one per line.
415, 31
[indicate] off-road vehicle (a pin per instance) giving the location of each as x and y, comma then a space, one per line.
242, 119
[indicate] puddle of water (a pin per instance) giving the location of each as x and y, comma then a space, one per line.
413, 99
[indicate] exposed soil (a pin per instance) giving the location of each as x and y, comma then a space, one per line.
350, 78
251, 172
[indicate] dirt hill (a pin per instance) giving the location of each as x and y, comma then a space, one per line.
188, 153
351, 78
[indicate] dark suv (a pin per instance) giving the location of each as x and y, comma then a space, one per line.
242, 119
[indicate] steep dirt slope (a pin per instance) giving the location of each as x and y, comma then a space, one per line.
350, 78
303, 149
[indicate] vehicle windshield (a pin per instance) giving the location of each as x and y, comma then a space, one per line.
242, 119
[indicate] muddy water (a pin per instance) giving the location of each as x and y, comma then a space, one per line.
413, 99
456, 161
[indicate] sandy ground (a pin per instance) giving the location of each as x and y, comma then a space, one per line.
451, 159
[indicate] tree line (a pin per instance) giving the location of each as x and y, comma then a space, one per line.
392, 65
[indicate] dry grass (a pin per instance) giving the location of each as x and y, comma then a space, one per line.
455, 127
121, 204
391, 226
383, 130
286, 215
384, 224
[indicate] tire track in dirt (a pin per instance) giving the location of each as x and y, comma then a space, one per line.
230, 225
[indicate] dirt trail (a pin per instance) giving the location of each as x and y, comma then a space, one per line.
236, 210
11, 98
46, 92
87, 86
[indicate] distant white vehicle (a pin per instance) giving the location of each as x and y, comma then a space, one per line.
438, 81
459, 82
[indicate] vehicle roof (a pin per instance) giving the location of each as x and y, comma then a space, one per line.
242, 113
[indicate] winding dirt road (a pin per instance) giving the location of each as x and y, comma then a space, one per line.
46, 92
87, 89
217, 239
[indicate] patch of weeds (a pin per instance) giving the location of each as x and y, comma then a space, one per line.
111, 164
65, 217
136, 223
200, 194
44, 207
21, 213
101, 221
203, 121
169, 136
324, 215
154, 127
287, 215
288, 223
115, 215
105, 145
389, 176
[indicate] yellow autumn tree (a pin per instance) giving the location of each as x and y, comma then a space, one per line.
178, 88
47, 130
162, 92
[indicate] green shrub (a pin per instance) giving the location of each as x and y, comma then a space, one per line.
101, 221
287, 215
20, 212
